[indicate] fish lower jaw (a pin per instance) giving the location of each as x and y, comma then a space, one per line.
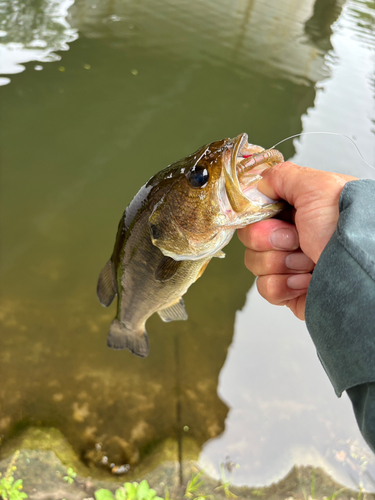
259, 207
253, 216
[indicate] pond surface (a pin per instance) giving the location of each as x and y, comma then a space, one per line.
98, 96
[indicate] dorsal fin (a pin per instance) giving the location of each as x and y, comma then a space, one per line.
167, 268
174, 312
107, 286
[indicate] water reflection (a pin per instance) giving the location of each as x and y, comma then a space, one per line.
280, 394
283, 408
352, 69
363, 13
319, 26
142, 87
32, 31
268, 36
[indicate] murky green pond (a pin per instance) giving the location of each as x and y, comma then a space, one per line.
96, 97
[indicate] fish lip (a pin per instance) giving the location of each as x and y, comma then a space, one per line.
233, 198
238, 145
242, 196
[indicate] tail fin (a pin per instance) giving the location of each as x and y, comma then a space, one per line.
120, 337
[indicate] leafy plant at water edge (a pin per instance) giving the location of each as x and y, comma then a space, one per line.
312, 490
69, 478
10, 489
130, 491
335, 494
225, 484
193, 487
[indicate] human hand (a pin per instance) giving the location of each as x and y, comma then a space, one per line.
283, 254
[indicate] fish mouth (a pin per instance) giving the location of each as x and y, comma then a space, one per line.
241, 180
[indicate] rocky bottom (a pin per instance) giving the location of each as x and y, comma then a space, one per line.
50, 470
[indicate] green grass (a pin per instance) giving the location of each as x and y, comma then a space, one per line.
130, 491
9, 488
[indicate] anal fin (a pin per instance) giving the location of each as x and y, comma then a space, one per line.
107, 286
174, 312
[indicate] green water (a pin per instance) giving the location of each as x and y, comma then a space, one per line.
136, 86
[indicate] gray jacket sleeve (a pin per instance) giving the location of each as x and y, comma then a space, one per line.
340, 306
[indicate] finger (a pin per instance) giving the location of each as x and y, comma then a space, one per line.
290, 181
269, 234
298, 306
277, 262
280, 288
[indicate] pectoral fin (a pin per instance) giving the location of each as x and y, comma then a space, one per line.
174, 312
167, 268
107, 286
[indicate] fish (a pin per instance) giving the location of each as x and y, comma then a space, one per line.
177, 222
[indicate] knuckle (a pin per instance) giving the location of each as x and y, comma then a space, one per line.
246, 236
250, 261
269, 289
270, 264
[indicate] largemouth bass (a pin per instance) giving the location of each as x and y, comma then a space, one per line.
178, 221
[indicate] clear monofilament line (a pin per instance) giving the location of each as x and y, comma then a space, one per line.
327, 133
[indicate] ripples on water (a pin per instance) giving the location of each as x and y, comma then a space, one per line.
139, 88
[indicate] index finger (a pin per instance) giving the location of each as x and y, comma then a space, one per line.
270, 234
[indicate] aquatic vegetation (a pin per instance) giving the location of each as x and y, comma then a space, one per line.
225, 483
9, 488
69, 478
312, 495
194, 485
312, 488
130, 491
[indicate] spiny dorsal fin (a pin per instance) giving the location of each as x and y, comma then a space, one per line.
174, 312
166, 269
107, 286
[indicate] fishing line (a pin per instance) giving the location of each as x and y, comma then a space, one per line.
327, 133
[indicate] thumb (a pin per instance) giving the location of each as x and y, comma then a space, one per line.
299, 185
315, 196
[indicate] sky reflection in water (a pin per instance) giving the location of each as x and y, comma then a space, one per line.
32, 31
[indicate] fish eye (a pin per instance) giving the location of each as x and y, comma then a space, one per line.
198, 176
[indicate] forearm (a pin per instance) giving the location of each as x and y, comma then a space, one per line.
340, 307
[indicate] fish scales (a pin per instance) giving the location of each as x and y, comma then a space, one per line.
175, 224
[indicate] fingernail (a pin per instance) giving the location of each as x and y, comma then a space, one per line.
299, 262
284, 239
299, 281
